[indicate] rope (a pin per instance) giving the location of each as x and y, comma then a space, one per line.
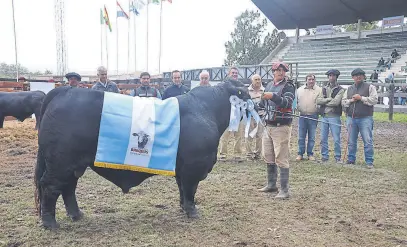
350, 130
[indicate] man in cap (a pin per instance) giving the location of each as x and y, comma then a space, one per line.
145, 90
277, 101
359, 100
73, 79
104, 84
176, 88
330, 102
307, 124
228, 135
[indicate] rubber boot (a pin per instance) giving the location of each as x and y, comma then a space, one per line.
284, 176
271, 179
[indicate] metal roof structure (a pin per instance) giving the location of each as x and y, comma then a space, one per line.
290, 14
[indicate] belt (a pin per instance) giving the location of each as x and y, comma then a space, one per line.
274, 124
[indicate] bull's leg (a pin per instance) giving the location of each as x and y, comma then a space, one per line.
51, 189
1, 120
189, 187
69, 196
181, 194
37, 114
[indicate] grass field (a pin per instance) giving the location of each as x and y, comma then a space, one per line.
331, 205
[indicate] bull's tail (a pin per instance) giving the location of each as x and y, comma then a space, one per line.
41, 165
39, 172
48, 98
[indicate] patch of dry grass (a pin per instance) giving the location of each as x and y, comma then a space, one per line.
331, 205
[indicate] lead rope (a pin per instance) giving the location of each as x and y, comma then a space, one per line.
350, 130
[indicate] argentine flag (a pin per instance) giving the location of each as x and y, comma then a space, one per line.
138, 134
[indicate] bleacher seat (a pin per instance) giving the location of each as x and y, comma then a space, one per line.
319, 55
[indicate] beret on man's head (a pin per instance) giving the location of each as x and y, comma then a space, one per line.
357, 71
334, 72
73, 74
276, 65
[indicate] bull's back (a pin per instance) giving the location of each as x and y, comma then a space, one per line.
72, 119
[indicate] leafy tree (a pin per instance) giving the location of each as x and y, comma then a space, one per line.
349, 27
250, 44
10, 71
48, 72
364, 26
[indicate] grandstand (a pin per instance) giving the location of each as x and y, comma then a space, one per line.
343, 51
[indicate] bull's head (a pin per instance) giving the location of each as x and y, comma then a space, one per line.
237, 88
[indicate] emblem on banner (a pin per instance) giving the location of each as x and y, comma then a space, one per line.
142, 140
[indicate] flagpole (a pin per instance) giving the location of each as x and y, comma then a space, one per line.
147, 38
101, 44
15, 39
128, 45
117, 45
159, 51
107, 51
135, 44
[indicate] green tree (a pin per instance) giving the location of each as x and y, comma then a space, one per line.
10, 71
364, 26
47, 72
250, 43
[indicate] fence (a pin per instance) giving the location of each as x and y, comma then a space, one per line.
391, 94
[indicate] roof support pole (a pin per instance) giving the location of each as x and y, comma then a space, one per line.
297, 34
359, 27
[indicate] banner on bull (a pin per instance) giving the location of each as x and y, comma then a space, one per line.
138, 134
393, 21
324, 29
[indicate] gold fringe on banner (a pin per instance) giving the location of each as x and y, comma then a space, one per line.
134, 168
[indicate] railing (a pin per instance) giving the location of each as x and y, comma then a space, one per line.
391, 94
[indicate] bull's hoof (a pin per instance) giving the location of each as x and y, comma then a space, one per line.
76, 217
49, 222
50, 225
193, 215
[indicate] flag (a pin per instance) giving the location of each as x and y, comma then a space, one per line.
121, 13
107, 21
102, 20
154, 1
136, 6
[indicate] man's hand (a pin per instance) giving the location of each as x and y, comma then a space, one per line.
267, 95
356, 97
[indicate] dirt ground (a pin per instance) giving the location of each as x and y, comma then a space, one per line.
331, 205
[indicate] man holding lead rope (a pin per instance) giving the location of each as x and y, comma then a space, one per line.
277, 101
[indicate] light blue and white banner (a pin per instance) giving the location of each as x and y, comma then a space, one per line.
138, 134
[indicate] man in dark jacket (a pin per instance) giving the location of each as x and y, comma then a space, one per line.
145, 90
359, 100
176, 88
277, 100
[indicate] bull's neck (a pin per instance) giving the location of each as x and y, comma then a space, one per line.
220, 105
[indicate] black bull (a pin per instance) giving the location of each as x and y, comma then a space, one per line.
21, 105
68, 137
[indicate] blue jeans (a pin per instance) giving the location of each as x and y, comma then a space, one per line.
402, 101
336, 133
307, 126
365, 127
